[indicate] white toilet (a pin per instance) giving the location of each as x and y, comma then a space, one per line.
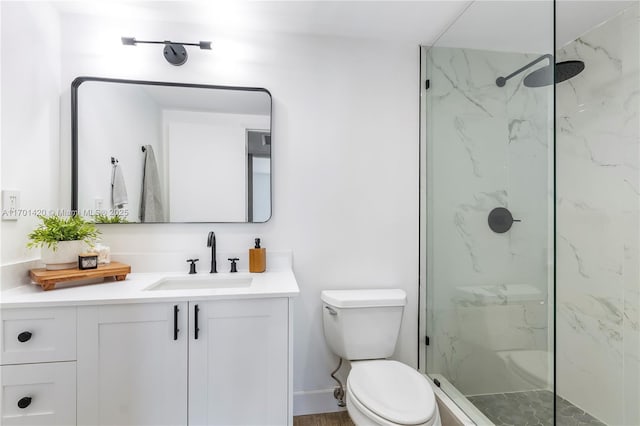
362, 326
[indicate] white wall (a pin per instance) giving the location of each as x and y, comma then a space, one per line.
30, 118
345, 161
598, 209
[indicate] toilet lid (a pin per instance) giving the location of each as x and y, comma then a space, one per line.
393, 391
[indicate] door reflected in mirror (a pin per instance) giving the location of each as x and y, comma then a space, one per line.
150, 152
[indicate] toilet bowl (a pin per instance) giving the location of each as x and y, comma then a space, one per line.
362, 326
389, 393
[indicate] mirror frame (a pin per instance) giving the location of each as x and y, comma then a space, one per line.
75, 85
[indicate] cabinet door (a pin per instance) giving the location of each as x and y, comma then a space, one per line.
132, 364
38, 394
238, 365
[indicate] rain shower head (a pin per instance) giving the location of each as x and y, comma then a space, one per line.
544, 76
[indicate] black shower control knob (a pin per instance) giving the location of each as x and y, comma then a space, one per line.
500, 220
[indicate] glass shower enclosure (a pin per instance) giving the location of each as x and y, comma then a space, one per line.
487, 221
530, 285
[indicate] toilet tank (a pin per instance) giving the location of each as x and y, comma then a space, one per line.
362, 324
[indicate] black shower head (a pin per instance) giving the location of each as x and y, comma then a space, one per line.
544, 76
568, 69
563, 71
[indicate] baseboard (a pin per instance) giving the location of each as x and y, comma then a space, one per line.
314, 402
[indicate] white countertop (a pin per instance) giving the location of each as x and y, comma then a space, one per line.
279, 283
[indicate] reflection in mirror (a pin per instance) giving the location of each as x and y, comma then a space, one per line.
167, 152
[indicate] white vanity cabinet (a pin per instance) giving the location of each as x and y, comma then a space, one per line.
38, 369
220, 362
238, 365
132, 364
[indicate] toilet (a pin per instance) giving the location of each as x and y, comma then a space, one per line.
362, 326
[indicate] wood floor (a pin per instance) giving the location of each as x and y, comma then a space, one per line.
340, 418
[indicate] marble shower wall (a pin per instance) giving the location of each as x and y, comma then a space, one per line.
487, 147
598, 198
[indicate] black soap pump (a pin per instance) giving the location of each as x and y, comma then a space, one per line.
257, 258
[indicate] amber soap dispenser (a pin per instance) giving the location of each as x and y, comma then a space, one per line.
257, 258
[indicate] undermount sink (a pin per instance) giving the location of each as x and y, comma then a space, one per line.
201, 282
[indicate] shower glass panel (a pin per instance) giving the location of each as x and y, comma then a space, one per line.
527, 229
487, 213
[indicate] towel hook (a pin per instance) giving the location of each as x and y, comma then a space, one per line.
114, 160
143, 148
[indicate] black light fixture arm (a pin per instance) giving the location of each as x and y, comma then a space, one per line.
174, 52
501, 81
132, 41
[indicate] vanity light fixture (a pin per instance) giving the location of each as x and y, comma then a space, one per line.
174, 52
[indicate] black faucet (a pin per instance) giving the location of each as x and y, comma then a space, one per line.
211, 242
192, 267
233, 261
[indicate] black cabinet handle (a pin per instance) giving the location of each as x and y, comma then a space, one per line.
24, 336
195, 322
175, 322
24, 402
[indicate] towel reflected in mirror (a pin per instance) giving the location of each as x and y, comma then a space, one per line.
151, 208
118, 188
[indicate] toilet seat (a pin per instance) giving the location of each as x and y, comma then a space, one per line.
391, 393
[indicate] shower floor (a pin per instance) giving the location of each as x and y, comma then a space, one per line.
531, 408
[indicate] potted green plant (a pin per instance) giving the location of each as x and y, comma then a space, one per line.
62, 239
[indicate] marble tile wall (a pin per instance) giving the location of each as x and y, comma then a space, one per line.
598, 198
487, 147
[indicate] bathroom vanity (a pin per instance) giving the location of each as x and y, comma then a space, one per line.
205, 349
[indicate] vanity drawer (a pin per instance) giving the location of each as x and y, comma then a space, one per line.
37, 335
38, 394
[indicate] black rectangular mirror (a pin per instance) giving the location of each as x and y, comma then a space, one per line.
157, 152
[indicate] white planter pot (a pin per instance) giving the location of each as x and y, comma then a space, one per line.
64, 257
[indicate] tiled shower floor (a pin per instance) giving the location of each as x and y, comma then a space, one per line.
532, 408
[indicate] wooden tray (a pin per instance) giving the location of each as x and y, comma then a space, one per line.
49, 279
